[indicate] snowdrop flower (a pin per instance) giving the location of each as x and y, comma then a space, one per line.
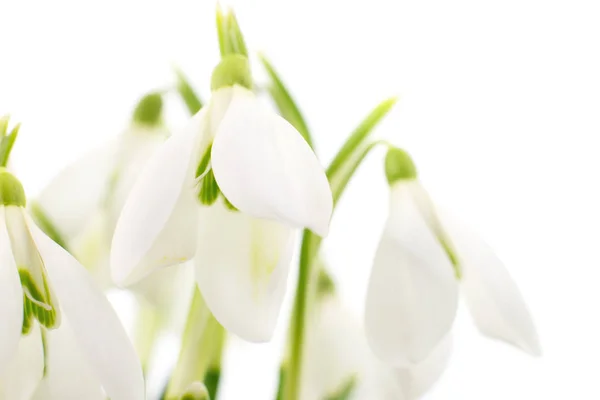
338, 360
229, 191
42, 286
418, 268
80, 206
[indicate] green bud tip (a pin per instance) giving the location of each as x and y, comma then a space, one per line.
234, 69
11, 190
399, 165
196, 391
149, 109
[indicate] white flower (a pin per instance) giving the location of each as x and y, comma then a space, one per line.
85, 199
263, 168
418, 268
337, 357
40, 283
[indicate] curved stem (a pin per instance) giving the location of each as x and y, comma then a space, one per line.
339, 173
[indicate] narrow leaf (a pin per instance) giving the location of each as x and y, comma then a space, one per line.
187, 93
360, 134
222, 33
7, 144
285, 103
238, 44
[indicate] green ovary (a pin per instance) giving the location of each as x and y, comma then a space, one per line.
37, 303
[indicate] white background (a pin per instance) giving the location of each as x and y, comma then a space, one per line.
500, 107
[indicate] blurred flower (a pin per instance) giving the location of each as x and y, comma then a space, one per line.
338, 360
40, 281
239, 152
81, 204
413, 290
80, 207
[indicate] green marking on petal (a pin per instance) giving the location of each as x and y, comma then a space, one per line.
38, 302
209, 190
204, 162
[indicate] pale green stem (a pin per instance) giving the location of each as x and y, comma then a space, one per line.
201, 345
339, 174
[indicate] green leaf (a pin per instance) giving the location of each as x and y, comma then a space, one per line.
7, 144
4, 125
238, 44
285, 103
358, 137
231, 39
223, 33
187, 93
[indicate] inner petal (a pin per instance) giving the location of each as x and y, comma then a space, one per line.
39, 301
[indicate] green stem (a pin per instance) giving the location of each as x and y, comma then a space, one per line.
339, 173
201, 348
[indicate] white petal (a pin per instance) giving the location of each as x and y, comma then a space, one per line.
242, 266
157, 226
136, 147
494, 299
11, 299
412, 294
96, 327
69, 375
415, 381
335, 350
75, 194
26, 370
265, 168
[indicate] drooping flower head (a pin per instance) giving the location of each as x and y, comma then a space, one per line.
229, 191
417, 271
45, 290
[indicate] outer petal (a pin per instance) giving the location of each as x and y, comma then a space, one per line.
136, 147
412, 294
266, 169
157, 226
242, 265
494, 299
26, 370
75, 194
11, 300
415, 381
96, 328
69, 375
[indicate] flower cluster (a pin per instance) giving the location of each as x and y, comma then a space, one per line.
200, 226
